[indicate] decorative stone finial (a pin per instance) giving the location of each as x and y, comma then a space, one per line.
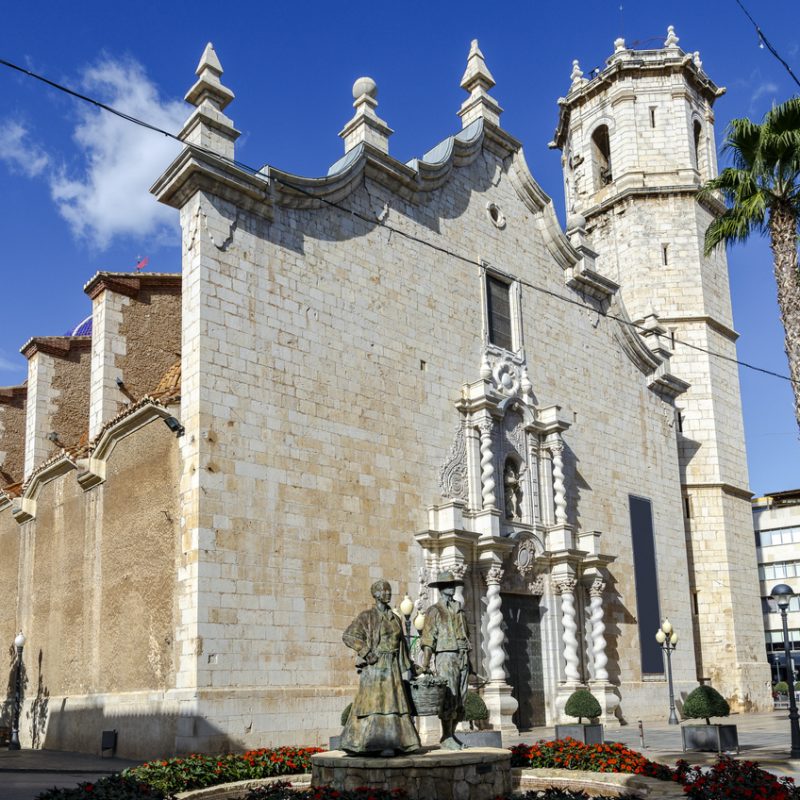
696, 58
619, 45
671, 40
477, 80
207, 126
576, 75
366, 126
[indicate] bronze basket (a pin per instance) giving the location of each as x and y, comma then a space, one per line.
428, 697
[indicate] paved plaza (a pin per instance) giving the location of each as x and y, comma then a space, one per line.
762, 737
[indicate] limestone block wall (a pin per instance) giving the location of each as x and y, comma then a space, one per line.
322, 357
95, 578
136, 319
58, 385
12, 433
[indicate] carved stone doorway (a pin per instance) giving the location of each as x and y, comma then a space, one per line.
524, 644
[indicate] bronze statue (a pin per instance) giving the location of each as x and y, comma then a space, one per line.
380, 717
446, 635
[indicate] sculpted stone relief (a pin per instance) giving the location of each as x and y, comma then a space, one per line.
453, 476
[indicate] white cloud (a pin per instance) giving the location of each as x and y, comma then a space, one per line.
103, 193
109, 195
766, 88
19, 153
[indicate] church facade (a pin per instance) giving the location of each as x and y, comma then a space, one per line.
396, 369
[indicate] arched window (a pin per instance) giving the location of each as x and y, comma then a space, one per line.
601, 157
697, 132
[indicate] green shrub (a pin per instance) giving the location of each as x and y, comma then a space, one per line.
345, 714
582, 703
781, 687
705, 702
474, 708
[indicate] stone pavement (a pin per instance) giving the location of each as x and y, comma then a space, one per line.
26, 773
762, 737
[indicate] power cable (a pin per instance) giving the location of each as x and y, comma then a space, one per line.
370, 221
766, 42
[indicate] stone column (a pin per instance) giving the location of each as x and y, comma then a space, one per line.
598, 630
604, 692
559, 490
487, 466
566, 588
497, 693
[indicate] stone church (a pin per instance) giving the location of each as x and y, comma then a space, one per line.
391, 370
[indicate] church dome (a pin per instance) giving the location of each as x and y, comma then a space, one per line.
83, 328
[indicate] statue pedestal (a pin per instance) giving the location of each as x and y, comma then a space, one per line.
481, 773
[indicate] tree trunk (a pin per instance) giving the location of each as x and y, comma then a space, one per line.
783, 243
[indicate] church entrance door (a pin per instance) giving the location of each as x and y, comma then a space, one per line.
524, 663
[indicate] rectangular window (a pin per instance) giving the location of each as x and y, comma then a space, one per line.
498, 307
687, 506
646, 578
652, 116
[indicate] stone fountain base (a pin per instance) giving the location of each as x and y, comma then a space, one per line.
480, 773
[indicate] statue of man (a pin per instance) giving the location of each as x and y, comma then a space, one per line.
380, 717
446, 635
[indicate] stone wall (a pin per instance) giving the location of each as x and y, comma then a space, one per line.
12, 433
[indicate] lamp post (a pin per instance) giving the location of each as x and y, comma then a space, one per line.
782, 594
19, 643
668, 639
406, 607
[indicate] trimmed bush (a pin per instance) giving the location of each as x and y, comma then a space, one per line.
705, 702
582, 703
345, 714
781, 687
474, 708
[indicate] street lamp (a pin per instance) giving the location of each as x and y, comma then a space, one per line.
19, 643
782, 594
406, 607
668, 639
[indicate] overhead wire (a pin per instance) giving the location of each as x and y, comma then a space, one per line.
766, 42
271, 176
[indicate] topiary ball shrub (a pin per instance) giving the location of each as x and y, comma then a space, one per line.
345, 714
781, 687
582, 703
705, 702
474, 708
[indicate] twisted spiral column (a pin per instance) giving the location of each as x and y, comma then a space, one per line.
487, 466
566, 588
598, 630
559, 490
494, 625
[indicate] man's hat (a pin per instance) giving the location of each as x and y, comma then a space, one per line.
445, 579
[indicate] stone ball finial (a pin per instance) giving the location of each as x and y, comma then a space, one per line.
576, 73
365, 86
619, 44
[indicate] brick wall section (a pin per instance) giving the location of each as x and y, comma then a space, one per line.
136, 321
12, 433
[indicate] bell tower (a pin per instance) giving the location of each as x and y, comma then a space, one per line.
637, 142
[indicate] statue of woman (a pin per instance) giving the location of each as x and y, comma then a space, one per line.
380, 717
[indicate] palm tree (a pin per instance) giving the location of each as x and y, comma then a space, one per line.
762, 193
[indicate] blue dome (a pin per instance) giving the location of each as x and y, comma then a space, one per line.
83, 328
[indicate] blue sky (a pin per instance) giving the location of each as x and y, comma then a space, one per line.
74, 181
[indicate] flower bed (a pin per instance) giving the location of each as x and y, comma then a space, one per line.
734, 780
283, 791
197, 770
571, 754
